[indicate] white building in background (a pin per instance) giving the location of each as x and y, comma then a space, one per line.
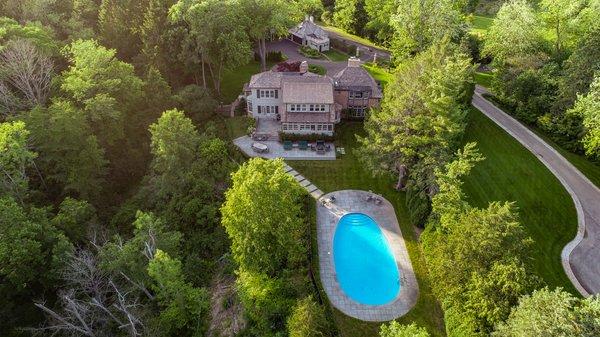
309, 34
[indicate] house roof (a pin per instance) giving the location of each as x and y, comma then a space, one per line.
315, 89
356, 78
309, 29
273, 79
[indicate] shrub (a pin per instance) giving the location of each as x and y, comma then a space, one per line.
317, 69
276, 56
309, 52
294, 137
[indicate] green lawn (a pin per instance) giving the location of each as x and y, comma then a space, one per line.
481, 24
336, 56
511, 173
237, 126
483, 79
233, 81
347, 173
352, 37
379, 74
317, 69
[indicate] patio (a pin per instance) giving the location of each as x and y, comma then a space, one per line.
276, 150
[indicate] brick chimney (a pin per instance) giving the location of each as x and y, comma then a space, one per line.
353, 62
303, 67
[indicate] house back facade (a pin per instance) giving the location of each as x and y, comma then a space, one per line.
307, 103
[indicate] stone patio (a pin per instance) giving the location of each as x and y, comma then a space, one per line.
328, 215
276, 150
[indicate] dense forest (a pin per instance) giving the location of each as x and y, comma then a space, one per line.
125, 209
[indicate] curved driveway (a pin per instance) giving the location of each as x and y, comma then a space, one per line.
580, 257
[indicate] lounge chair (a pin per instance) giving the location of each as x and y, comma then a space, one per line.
302, 145
320, 147
287, 145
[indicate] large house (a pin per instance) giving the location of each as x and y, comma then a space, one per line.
310, 34
306, 103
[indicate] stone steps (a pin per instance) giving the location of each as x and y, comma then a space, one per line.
313, 190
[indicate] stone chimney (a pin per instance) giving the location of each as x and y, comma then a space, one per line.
303, 67
311, 18
306, 17
353, 62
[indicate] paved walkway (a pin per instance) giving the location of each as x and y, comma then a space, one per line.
328, 216
310, 188
580, 257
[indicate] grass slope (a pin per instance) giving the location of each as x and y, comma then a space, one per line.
352, 37
481, 24
348, 173
511, 173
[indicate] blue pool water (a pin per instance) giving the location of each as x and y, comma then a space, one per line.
364, 264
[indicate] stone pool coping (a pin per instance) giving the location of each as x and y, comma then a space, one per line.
354, 201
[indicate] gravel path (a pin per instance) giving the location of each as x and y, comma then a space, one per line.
580, 257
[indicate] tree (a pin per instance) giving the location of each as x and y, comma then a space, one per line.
69, 153
75, 218
174, 146
379, 13
119, 22
183, 307
155, 34
262, 215
395, 329
552, 313
25, 79
421, 117
269, 18
559, 16
476, 257
588, 107
419, 24
103, 87
218, 28
196, 101
514, 33
40, 36
15, 159
308, 320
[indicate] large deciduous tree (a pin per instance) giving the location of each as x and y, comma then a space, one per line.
419, 24
15, 159
395, 329
25, 77
421, 117
588, 108
262, 216
514, 33
552, 313
477, 257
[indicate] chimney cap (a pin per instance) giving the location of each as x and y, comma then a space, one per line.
354, 62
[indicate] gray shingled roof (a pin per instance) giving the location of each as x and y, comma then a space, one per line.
356, 78
308, 28
316, 89
273, 79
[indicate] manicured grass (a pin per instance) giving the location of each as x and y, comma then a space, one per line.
379, 74
237, 126
233, 81
348, 173
483, 79
481, 24
336, 56
511, 173
352, 37
589, 168
317, 69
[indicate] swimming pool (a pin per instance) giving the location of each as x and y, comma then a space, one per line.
364, 264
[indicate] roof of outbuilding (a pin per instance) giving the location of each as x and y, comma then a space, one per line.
308, 28
356, 78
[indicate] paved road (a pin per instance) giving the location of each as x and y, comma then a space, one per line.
580, 257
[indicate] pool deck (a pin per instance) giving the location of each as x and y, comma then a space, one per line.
328, 215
